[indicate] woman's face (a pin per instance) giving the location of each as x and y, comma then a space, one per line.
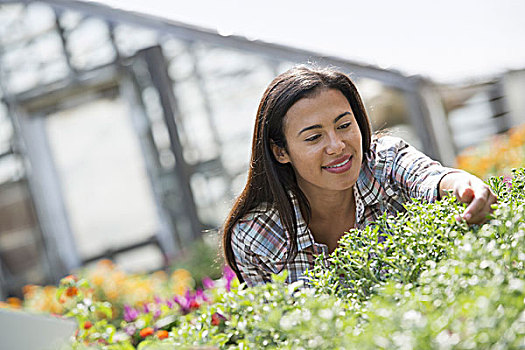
324, 142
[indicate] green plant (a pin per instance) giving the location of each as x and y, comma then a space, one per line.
394, 249
419, 281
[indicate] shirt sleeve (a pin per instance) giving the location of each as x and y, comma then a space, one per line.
258, 253
413, 173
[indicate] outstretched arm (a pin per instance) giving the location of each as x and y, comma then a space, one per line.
472, 191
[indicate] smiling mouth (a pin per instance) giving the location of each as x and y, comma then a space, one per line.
340, 165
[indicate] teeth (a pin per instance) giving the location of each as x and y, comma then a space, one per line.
338, 165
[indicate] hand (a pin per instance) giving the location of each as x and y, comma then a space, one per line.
472, 191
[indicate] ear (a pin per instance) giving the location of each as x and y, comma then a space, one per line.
280, 153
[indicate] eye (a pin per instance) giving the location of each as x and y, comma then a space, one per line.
344, 126
312, 138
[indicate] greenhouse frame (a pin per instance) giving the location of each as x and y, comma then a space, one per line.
127, 136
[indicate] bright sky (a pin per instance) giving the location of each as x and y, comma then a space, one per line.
447, 40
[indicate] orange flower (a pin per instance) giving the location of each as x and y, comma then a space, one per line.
88, 325
71, 291
14, 302
160, 275
97, 279
29, 290
162, 334
146, 332
106, 264
71, 278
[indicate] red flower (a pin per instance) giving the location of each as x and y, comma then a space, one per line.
194, 304
215, 320
88, 325
162, 334
71, 291
146, 332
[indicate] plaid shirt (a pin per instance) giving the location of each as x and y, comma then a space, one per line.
392, 173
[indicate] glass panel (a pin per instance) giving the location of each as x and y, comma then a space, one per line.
473, 122
388, 111
209, 192
33, 50
106, 188
11, 168
89, 44
6, 129
218, 92
141, 260
200, 140
20, 238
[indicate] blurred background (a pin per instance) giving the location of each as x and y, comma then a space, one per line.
125, 126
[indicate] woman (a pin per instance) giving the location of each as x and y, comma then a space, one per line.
316, 172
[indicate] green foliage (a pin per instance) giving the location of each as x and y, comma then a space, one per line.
201, 259
473, 300
270, 316
394, 249
422, 280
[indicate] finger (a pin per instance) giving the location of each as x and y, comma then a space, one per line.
465, 194
480, 207
475, 209
492, 200
481, 216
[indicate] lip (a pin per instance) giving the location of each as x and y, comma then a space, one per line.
337, 161
340, 169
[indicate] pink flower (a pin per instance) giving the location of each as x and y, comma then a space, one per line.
130, 314
199, 294
508, 181
183, 302
190, 301
130, 329
208, 283
229, 275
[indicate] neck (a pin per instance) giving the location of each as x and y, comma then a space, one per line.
327, 206
332, 214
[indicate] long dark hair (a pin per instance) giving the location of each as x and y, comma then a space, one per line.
270, 181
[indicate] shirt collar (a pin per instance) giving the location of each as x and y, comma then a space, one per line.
368, 187
304, 235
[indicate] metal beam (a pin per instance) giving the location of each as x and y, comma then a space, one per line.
167, 232
82, 85
160, 79
47, 195
195, 33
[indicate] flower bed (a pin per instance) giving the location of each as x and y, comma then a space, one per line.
110, 284
421, 280
497, 156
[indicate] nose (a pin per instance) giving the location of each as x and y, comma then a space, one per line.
335, 144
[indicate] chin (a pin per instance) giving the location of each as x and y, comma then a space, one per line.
342, 187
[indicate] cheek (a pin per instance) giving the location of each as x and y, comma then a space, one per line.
306, 159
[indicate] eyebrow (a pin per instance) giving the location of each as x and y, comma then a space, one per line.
317, 126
